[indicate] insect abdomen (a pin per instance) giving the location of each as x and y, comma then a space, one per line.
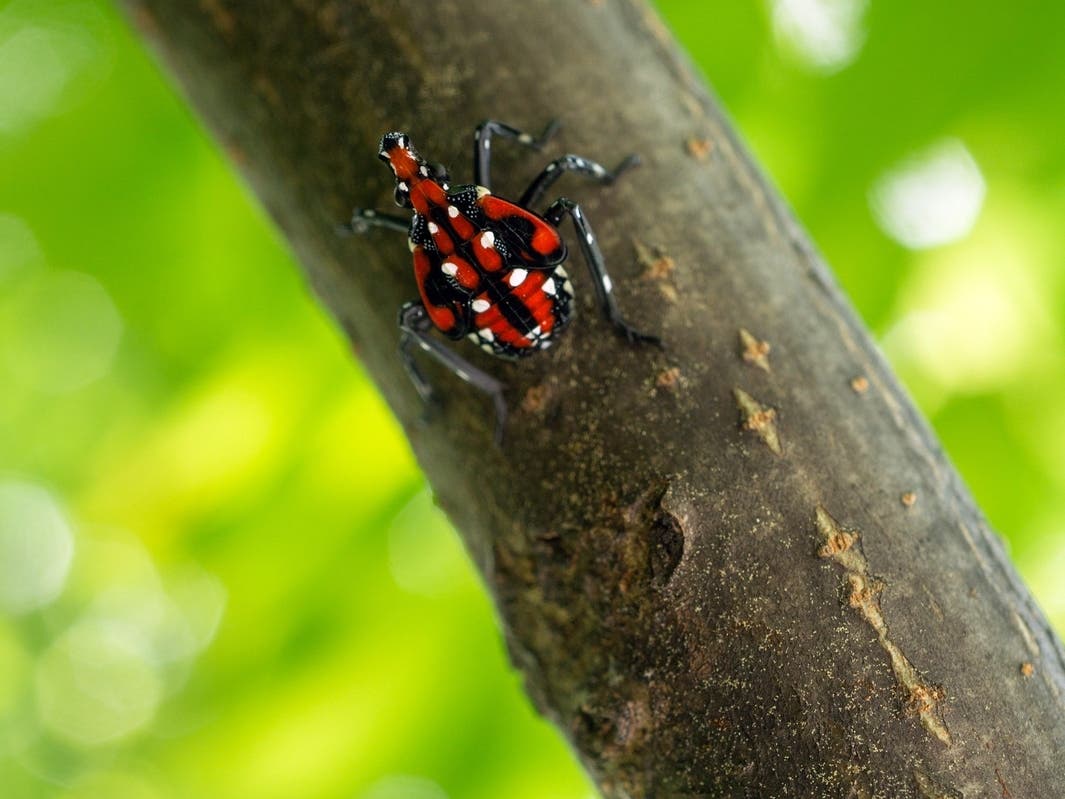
520, 312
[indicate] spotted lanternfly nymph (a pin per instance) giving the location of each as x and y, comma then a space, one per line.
489, 269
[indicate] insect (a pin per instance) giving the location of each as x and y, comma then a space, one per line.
489, 269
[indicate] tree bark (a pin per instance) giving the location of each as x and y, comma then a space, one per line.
707, 559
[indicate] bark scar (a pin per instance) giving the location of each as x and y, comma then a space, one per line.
840, 545
754, 350
930, 790
759, 418
658, 267
699, 148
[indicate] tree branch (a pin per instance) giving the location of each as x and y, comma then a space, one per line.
700, 555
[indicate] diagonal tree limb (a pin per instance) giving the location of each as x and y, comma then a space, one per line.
700, 555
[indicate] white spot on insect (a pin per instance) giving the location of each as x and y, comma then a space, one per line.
462, 375
433, 227
403, 186
588, 237
561, 272
487, 143
607, 285
482, 192
551, 167
411, 244
488, 239
449, 268
546, 344
486, 334
423, 170
525, 138
534, 334
402, 142
452, 211
517, 277
549, 287
480, 306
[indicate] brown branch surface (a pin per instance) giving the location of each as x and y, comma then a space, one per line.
700, 555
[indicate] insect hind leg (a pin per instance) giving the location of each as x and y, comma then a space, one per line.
593, 257
362, 219
482, 145
414, 326
573, 163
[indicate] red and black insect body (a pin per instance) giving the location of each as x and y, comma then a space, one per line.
488, 269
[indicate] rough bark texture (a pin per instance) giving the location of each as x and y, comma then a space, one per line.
702, 556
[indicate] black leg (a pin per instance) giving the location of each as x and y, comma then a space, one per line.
572, 163
362, 219
414, 326
482, 145
604, 288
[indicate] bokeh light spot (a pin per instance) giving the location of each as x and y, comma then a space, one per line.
424, 554
200, 600
824, 35
47, 51
169, 619
403, 786
14, 665
33, 74
973, 318
64, 332
112, 785
36, 547
95, 684
931, 198
18, 246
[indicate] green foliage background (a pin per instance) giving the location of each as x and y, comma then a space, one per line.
261, 599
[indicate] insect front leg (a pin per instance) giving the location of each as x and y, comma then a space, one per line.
573, 163
482, 145
362, 219
593, 256
414, 326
